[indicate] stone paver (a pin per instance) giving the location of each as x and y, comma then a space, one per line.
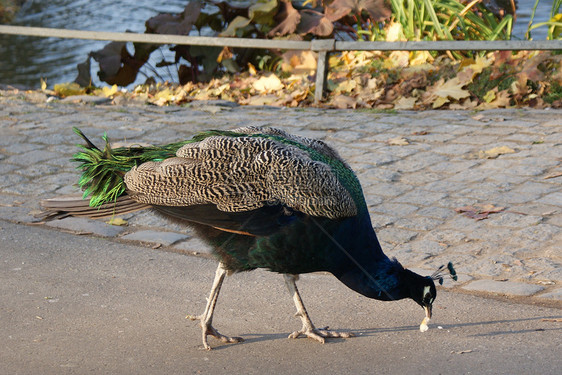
412, 190
86, 226
155, 237
503, 287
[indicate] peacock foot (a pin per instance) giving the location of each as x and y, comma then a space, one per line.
320, 334
209, 330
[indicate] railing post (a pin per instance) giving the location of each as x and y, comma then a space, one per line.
323, 47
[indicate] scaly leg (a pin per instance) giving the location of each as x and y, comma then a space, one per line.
206, 319
308, 328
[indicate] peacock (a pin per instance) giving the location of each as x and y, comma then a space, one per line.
261, 198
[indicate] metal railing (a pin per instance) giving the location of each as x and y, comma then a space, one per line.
323, 46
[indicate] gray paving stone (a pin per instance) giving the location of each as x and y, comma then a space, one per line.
427, 247
553, 199
36, 156
396, 235
156, 237
503, 287
436, 212
445, 236
387, 190
418, 223
20, 148
513, 220
193, 245
399, 209
7, 182
86, 226
420, 197
556, 294
421, 161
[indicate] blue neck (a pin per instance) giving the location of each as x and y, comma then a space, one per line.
368, 270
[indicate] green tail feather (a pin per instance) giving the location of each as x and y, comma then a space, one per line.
103, 170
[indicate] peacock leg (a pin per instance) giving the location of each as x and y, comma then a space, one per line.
308, 329
206, 319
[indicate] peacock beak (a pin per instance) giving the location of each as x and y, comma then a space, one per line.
427, 307
423, 325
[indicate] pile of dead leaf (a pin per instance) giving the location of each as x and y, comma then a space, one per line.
404, 80
399, 81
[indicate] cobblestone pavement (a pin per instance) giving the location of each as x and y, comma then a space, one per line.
415, 167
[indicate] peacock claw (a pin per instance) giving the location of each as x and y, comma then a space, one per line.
209, 330
320, 334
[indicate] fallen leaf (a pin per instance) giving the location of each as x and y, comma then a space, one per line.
479, 211
490, 96
117, 221
495, 152
398, 141
299, 62
69, 89
109, 91
268, 83
262, 100
344, 102
346, 86
439, 102
450, 89
462, 351
503, 99
405, 103
465, 104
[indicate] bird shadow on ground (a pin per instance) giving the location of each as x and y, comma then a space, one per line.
537, 319
368, 332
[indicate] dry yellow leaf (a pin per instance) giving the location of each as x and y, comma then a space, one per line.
439, 101
344, 102
489, 96
268, 84
405, 103
394, 32
117, 221
398, 141
450, 89
495, 152
69, 89
109, 91
252, 69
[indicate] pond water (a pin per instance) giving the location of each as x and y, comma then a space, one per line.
24, 60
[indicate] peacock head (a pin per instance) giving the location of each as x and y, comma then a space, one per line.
422, 290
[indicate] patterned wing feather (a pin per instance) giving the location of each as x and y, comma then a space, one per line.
257, 168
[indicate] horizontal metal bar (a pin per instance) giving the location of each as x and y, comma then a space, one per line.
156, 38
326, 44
453, 45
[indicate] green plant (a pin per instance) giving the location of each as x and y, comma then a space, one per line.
554, 24
439, 20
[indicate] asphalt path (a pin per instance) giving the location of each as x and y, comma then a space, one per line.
75, 304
